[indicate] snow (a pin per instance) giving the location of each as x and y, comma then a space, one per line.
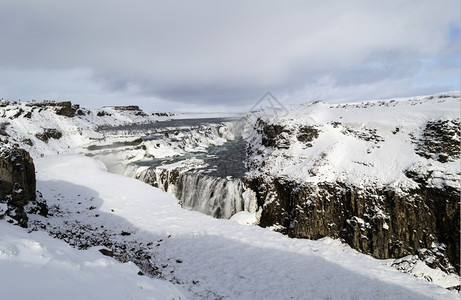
356, 139
212, 258
412, 265
81, 131
35, 266
245, 218
3, 208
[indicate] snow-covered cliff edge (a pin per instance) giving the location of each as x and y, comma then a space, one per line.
383, 176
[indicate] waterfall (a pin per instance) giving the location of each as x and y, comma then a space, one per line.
214, 196
164, 179
208, 182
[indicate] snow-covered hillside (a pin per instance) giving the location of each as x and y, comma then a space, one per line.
41, 128
46, 128
200, 257
384, 176
318, 142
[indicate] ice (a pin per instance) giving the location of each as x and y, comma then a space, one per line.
245, 218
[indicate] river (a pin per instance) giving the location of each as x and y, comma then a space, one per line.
214, 186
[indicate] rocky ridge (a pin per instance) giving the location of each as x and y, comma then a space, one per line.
48, 127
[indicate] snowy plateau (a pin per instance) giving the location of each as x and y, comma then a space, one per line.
99, 222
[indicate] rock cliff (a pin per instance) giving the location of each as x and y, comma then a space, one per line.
387, 186
17, 183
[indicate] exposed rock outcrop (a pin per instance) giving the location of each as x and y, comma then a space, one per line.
17, 182
127, 108
163, 114
63, 108
131, 108
440, 140
49, 133
102, 113
382, 222
66, 109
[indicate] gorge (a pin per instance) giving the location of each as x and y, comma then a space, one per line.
382, 177
408, 209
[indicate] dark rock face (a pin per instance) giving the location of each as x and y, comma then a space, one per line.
49, 133
163, 179
379, 222
65, 109
278, 136
17, 114
17, 182
163, 114
133, 108
102, 113
272, 135
440, 140
127, 108
3, 126
307, 134
27, 141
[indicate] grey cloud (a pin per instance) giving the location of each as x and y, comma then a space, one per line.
367, 74
225, 51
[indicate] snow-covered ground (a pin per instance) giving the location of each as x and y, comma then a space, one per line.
204, 258
211, 258
36, 266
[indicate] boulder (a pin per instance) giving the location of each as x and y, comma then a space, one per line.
17, 181
49, 133
65, 108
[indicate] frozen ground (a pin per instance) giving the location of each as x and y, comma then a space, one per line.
36, 266
210, 258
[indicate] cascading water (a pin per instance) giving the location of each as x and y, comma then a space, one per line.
205, 181
214, 196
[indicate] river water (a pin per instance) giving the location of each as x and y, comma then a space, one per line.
224, 160
216, 189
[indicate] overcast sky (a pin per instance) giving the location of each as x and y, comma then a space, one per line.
224, 55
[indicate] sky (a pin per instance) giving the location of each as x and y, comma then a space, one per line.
216, 55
